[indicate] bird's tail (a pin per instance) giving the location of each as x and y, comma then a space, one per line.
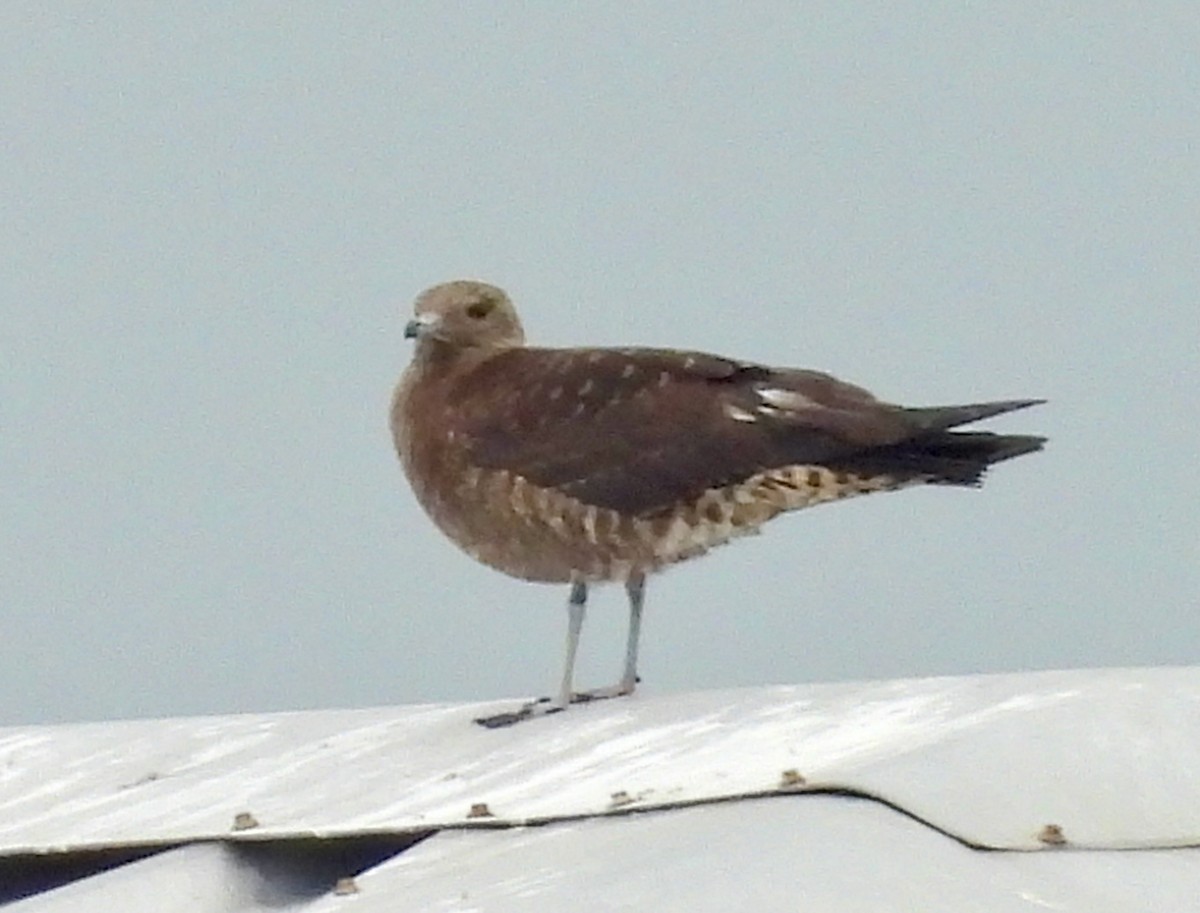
946, 457
939, 418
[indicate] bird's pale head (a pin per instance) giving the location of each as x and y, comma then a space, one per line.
465, 314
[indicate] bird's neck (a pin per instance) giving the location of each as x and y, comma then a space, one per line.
434, 356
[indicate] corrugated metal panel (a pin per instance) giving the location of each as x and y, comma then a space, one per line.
804, 852
1110, 757
201, 878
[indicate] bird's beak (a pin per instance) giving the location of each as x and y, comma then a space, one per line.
420, 326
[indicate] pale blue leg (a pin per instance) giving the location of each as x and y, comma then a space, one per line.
635, 587
576, 609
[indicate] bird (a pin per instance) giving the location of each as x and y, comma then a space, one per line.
584, 466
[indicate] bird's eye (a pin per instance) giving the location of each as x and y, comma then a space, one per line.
480, 309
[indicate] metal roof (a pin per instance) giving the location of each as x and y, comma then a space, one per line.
837, 795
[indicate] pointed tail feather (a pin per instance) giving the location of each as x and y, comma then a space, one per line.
944, 457
962, 457
939, 418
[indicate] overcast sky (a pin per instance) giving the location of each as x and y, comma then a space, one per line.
215, 217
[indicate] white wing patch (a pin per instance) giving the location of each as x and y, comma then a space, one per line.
785, 400
739, 415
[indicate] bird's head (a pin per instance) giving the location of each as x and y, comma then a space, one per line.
465, 314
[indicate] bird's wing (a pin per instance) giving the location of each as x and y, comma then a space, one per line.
636, 430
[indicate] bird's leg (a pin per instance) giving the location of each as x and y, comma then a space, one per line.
576, 609
635, 588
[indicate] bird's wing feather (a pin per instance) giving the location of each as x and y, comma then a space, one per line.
637, 430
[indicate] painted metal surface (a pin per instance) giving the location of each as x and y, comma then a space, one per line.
1100, 758
825, 853
803, 852
199, 878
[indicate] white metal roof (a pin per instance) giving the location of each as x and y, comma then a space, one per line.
809, 853
647, 794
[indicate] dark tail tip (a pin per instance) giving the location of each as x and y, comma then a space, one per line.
1007, 446
938, 418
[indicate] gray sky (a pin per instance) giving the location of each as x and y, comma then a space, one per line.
215, 214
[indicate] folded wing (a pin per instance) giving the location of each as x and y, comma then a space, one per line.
638, 430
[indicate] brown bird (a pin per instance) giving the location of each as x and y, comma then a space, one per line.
584, 466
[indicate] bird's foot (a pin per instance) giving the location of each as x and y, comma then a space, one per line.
541, 707
620, 689
545, 706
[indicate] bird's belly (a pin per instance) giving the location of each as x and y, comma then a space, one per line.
541, 534
535, 533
